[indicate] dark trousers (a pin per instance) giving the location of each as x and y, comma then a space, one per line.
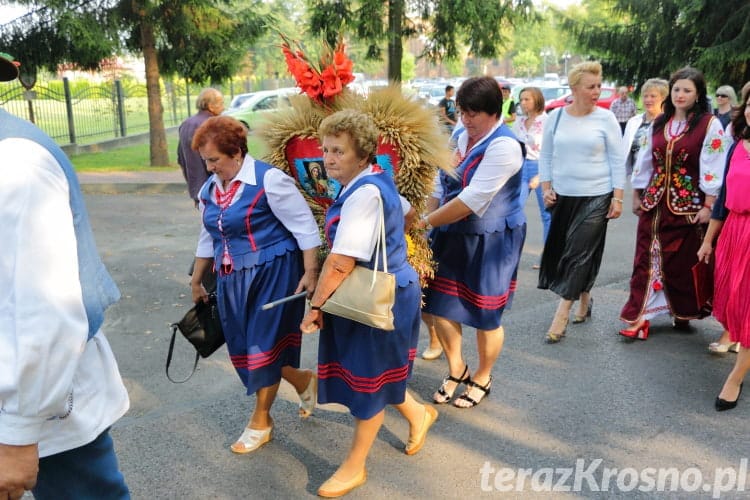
89, 472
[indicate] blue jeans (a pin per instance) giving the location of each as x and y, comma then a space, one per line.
530, 170
88, 472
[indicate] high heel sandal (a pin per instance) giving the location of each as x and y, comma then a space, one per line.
471, 401
640, 333
580, 319
555, 337
442, 395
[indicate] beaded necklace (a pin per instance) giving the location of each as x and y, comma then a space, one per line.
681, 129
223, 200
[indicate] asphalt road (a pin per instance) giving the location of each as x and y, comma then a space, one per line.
595, 401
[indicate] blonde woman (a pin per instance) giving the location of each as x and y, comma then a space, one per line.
582, 171
653, 94
726, 99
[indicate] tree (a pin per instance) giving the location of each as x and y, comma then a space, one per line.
640, 39
483, 26
526, 62
197, 39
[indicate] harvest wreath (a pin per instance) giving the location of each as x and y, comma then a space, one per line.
412, 144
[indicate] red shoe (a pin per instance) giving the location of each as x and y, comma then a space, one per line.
640, 333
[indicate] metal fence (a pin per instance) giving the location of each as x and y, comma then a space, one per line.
71, 113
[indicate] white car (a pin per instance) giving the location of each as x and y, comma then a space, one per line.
250, 112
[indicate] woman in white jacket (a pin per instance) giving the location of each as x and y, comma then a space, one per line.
653, 94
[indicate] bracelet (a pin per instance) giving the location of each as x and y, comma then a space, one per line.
710, 207
315, 308
618, 200
427, 225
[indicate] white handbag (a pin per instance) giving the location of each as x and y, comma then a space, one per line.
367, 295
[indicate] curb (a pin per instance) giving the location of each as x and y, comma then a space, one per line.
133, 188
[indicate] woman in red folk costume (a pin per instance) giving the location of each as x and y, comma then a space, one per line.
676, 179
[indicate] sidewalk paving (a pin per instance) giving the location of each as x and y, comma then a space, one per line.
160, 181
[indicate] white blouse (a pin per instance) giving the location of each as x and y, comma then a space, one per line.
359, 227
502, 159
284, 199
711, 162
531, 136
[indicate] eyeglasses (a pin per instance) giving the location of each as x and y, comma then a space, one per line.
722, 95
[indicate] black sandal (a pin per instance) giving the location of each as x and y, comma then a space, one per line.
472, 402
443, 393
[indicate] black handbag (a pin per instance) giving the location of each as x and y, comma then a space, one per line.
202, 328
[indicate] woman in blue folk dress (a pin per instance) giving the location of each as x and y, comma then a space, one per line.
479, 230
260, 236
361, 367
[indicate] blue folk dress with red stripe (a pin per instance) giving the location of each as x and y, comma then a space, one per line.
258, 261
361, 367
477, 257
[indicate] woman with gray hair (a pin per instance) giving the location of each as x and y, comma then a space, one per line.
362, 367
726, 99
653, 94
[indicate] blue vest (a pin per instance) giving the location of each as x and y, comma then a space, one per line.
394, 226
505, 208
251, 231
99, 290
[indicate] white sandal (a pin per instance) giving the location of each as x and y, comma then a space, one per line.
251, 440
718, 348
308, 397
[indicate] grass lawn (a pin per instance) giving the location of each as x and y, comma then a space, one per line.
136, 158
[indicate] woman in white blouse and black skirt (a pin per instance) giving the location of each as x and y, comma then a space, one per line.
582, 170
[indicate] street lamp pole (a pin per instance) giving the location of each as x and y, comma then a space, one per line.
566, 56
544, 53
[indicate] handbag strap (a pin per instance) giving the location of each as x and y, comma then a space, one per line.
380, 244
169, 358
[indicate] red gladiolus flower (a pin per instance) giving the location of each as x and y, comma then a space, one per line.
716, 144
709, 177
319, 84
331, 82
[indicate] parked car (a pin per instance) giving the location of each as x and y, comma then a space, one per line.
251, 111
239, 99
550, 93
608, 95
428, 92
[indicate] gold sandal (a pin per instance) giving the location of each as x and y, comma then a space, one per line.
580, 319
555, 337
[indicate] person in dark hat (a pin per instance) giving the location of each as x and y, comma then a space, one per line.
60, 386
